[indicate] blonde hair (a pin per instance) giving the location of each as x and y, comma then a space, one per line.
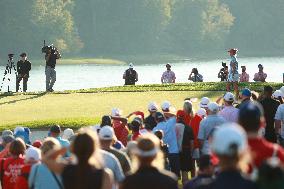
188, 108
48, 144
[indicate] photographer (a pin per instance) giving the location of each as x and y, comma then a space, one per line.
51, 56
130, 75
244, 77
223, 73
23, 69
195, 76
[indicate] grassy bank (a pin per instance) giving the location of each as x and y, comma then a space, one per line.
85, 107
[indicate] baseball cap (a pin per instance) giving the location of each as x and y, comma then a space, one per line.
23, 54
106, 133
166, 106
234, 143
260, 66
282, 89
131, 65
7, 139
246, 92
67, 133
152, 107
168, 65
204, 102
116, 112
33, 153
229, 97
201, 112
7, 132
37, 144
55, 129
277, 93
213, 107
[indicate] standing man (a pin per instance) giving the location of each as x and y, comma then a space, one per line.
130, 75
168, 76
51, 56
23, 69
260, 76
195, 76
244, 77
233, 77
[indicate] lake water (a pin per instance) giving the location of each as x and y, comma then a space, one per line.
71, 77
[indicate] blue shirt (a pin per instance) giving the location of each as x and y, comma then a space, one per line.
170, 138
42, 178
65, 144
234, 63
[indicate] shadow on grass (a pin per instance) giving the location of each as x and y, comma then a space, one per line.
15, 101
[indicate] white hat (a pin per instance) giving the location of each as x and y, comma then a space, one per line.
229, 139
282, 89
131, 65
67, 133
33, 153
213, 107
201, 112
277, 93
116, 112
229, 97
166, 106
204, 102
106, 133
152, 106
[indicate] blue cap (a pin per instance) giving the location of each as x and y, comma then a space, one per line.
246, 92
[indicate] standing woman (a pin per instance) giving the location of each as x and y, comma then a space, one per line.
148, 175
87, 173
233, 77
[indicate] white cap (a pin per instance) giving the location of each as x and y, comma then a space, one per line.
152, 106
166, 106
33, 154
67, 133
106, 133
204, 102
228, 138
282, 89
229, 97
277, 93
131, 65
116, 112
201, 112
213, 107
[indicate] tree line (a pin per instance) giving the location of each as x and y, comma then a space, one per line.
142, 27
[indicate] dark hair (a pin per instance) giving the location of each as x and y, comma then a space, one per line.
106, 120
135, 125
159, 134
268, 89
83, 148
17, 147
204, 162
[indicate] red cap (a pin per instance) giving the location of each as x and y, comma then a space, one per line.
37, 143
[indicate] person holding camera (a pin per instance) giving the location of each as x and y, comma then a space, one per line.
195, 76
260, 76
51, 56
23, 69
244, 77
130, 75
223, 73
233, 77
168, 76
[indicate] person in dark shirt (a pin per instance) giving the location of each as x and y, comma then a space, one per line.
148, 175
270, 106
51, 56
150, 121
245, 97
130, 76
23, 69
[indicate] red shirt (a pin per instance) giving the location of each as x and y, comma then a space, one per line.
23, 179
135, 135
261, 150
12, 169
121, 131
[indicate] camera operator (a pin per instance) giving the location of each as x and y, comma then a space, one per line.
51, 56
23, 69
195, 76
223, 73
244, 77
130, 75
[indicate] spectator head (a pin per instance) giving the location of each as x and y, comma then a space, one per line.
49, 144
23, 133
166, 106
202, 113
187, 107
251, 116
106, 120
268, 90
260, 67
136, 124
131, 66
246, 94
55, 131
17, 147
7, 139
229, 98
159, 117
32, 155
116, 112
254, 95
168, 66
152, 107
106, 136
213, 108
204, 102
130, 148
243, 68
233, 52
7, 132
277, 94
67, 134
37, 144
206, 165
282, 89
159, 134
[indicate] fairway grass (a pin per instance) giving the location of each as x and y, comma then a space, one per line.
80, 109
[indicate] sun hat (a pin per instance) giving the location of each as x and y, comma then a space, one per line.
213, 107
234, 142
67, 133
201, 112
204, 102
229, 97
106, 133
33, 153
